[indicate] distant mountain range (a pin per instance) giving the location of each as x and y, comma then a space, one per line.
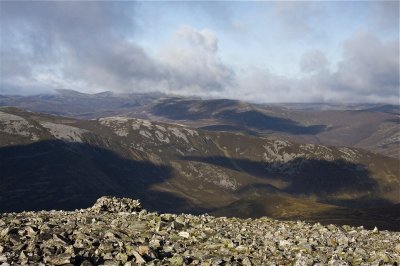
374, 127
62, 162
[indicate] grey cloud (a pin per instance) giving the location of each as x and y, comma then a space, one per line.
44, 25
86, 45
297, 17
312, 61
196, 68
369, 66
260, 85
367, 72
385, 14
40, 35
204, 38
114, 66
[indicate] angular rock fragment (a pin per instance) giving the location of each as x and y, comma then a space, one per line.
119, 232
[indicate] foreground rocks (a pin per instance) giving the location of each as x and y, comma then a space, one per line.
119, 232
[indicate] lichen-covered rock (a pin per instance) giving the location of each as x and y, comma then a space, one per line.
59, 259
119, 232
116, 205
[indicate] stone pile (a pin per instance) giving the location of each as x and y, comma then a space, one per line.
116, 205
119, 232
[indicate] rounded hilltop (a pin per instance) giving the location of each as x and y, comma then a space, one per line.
120, 232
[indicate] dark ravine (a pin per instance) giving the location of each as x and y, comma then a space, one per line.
120, 232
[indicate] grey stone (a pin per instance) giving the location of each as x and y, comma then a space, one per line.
119, 232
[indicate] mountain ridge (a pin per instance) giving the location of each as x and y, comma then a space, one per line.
197, 171
374, 127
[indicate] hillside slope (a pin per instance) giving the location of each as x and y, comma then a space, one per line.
374, 127
50, 162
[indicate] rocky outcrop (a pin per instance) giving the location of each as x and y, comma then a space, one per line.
119, 232
116, 205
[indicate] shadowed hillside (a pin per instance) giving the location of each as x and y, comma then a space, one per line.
63, 175
312, 177
65, 163
228, 113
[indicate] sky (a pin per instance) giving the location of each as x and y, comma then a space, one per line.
286, 51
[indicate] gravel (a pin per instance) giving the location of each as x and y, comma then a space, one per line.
120, 232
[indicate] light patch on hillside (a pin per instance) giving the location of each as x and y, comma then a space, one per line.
135, 126
348, 154
160, 136
123, 125
308, 147
145, 123
65, 132
16, 125
283, 151
390, 140
209, 174
117, 124
145, 133
318, 151
178, 133
275, 152
161, 128
191, 132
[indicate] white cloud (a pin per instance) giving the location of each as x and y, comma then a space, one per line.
369, 66
204, 38
196, 67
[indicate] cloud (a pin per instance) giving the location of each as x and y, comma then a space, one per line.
204, 38
369, 66
90, 46
61, 36
312, 61
367, 72
385, 14
87, 45
260, 85
192, 61
296, 18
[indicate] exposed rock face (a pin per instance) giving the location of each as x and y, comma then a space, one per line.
119, 232
17, 125
65, 132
